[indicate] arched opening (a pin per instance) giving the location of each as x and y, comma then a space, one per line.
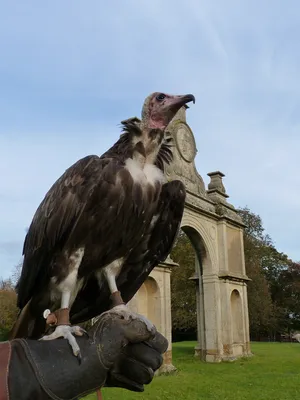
188, 319
147, 302
153, 302
237, 316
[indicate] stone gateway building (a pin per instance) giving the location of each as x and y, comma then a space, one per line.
216, 232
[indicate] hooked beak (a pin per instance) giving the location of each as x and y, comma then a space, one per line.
176, 102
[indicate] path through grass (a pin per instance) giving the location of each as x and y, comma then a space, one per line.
272, 374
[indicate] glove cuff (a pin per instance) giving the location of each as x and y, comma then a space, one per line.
57, 371
5, 353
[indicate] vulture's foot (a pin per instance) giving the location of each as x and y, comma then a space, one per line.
128, 315
67, 332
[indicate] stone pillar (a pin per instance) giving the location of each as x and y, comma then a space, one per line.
153, 300
247, 349
166, 319
200, 348
212, 302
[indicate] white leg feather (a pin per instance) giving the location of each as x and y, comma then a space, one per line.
67, 290
110, 273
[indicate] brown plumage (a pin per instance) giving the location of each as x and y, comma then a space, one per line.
103, 225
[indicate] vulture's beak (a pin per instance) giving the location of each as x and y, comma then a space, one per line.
176, 102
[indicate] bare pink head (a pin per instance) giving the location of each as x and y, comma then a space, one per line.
160, 108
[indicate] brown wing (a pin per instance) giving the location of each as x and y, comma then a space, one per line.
54, 220
152, 250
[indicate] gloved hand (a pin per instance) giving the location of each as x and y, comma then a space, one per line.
137, 363
117, 353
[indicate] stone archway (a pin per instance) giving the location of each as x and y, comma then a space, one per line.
202, 262
216, 233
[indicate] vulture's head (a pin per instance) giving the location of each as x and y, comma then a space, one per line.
160, 108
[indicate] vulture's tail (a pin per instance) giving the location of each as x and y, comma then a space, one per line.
24, 322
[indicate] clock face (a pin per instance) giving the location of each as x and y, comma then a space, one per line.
186, 143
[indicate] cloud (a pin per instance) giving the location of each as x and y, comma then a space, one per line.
70, 72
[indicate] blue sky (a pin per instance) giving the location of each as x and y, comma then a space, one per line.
71, 71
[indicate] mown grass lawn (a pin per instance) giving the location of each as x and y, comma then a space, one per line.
273, 373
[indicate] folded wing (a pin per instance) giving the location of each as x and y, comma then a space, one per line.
151, 250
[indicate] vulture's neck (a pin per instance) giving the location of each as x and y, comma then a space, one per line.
144, 145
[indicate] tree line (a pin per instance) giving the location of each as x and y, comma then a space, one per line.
273, 292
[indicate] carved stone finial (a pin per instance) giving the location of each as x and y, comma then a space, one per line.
216, 190
216, 182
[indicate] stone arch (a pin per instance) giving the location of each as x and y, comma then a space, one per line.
203, 234
202, 261
201, 252
236, 316
200, 239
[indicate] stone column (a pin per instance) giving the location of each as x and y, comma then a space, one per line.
166, 317
200, 348
247, 349
213, 331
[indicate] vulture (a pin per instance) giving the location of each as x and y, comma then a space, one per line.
101, 228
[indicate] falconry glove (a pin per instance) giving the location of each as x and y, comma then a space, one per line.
117, 353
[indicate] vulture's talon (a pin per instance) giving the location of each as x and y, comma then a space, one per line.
124, 312
67, 333
86, 333
78, 331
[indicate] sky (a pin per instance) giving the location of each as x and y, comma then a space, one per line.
71, 71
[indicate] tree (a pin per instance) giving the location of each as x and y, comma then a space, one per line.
8, 307
261, 309
262, 318
288, 297
272, 293
183, 292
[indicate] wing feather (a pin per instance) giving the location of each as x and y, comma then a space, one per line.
149, 253
54, 220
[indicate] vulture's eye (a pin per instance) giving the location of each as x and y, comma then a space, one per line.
160, 97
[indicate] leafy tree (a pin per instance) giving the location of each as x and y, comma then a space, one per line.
261, 310
288, 297
272, 293
254, 230
8, 308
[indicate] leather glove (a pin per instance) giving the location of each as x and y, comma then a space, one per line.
117, 353
137, 363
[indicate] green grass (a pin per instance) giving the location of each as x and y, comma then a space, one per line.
273, 373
